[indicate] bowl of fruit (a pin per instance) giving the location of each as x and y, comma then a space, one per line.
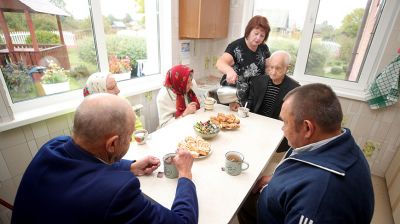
206, 129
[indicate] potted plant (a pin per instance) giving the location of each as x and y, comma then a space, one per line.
19, 83
55, 79
122, 67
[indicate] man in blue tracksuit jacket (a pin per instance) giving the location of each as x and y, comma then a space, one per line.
324, 178
83, 179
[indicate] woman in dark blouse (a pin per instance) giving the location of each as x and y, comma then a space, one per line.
245, 58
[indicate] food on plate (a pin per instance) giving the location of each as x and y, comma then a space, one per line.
206, 127
226, 121
197, 146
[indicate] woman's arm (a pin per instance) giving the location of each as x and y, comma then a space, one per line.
224, 65
166, 107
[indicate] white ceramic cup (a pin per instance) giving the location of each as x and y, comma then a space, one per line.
140, 136
234, 163
209, 103
243, 112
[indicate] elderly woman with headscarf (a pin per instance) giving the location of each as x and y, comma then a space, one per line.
100, 82
176, 98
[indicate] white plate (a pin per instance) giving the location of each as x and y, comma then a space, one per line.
202, 157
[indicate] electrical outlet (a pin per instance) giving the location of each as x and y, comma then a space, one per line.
214, 61
370, 147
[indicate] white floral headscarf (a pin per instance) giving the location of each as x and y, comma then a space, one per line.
96, 83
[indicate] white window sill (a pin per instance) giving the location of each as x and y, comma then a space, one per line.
128, 88
341, 90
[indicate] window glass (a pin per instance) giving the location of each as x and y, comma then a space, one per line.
340, 38
32, 64
128, 37
328, 39
286, 18
46, 63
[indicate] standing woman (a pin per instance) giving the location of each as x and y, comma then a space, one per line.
176, 98
245, 58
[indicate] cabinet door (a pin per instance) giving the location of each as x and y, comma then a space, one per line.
203, 18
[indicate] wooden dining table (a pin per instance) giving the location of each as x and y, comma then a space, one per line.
220, 195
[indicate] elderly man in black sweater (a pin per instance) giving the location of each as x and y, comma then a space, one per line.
267, 91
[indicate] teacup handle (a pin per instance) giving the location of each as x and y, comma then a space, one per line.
244, 162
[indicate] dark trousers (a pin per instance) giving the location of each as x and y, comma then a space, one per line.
248, 212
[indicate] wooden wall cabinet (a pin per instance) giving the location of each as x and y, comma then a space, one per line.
200, 19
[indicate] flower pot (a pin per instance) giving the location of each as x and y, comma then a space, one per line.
55, 87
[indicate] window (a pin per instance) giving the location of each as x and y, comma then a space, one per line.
129, 28
59, 43
329, 41
339, 36
286, 21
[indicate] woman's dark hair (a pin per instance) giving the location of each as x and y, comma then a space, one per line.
258, 22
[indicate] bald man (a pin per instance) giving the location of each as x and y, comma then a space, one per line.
84, 180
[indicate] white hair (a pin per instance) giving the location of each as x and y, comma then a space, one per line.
96, 83
285, 54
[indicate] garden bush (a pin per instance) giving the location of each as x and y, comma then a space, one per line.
118, 46
336, 70
289, 45
316, 59
87, 52
79, 72
44, 37
18, 81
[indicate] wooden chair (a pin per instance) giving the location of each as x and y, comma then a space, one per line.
6, 204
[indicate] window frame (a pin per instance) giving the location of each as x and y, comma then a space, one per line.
19, 109
348, 89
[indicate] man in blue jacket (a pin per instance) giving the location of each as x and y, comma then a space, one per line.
84, 180
324, 177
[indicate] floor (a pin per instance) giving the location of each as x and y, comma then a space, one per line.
383, 211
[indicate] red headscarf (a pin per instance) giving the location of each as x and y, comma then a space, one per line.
176, 80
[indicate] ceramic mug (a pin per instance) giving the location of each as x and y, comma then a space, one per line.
141, 136
234, 163
209, 103
243, 112
170, 170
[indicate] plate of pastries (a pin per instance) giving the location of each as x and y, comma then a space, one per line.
197, 146
226, 121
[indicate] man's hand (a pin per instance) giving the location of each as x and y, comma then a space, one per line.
145, 166
234, 106
264, 180
183, 161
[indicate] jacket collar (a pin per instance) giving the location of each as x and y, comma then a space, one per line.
76, 152
335, 156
